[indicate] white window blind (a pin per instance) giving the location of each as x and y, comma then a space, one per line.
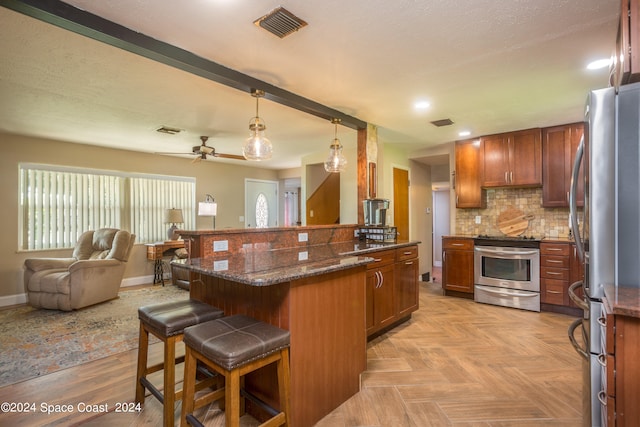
150, 198
58, 204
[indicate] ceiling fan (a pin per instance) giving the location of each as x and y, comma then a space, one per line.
203, 150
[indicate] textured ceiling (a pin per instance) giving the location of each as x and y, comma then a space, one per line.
488, 65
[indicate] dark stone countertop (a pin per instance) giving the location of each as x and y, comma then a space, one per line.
623, 300
264, 267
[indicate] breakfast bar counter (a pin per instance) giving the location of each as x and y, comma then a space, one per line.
315, 292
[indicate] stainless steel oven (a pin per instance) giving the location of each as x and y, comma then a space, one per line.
507, 275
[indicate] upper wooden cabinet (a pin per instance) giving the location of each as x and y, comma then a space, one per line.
467, 183
559, 145
511, 159
626, 61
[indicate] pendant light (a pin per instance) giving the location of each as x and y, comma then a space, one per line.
336, 161
257, 147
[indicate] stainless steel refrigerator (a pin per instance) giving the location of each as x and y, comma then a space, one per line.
608, 237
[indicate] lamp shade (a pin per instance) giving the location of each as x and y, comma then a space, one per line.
207, 209
173, 216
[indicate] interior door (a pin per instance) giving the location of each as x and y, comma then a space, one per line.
401, 202
261, 203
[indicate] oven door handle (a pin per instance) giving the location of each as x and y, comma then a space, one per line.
574, 325
505, 292
484, 249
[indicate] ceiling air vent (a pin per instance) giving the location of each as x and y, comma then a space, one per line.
443, 122
167, 129
280, 22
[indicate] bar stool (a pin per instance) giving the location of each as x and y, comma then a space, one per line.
167, 322
233, 347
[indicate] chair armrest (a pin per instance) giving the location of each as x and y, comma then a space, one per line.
39, 264
93, 263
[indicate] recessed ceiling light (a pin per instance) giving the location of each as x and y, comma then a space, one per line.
421, 105
464, 133
598, 64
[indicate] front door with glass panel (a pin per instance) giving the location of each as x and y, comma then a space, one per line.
261, 203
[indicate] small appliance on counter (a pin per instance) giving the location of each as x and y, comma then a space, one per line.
375, 212
378, 234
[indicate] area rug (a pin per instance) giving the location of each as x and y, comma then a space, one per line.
36, 342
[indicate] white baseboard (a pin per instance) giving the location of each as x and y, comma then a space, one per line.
13, 300
130, 281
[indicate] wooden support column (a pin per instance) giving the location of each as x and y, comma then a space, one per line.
362, 172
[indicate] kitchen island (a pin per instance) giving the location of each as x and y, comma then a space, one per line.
318, 293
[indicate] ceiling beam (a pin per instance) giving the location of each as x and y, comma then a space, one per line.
65, 16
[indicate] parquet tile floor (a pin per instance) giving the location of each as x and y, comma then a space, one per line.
455, 363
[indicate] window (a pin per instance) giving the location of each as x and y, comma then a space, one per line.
57, 204
262, 211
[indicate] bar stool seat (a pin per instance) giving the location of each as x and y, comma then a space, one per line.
167, 321
234, 346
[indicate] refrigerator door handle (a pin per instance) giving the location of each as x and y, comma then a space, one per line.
575, 298
573, 207
574, 325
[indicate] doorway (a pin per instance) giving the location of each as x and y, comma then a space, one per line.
261, 203
440, 221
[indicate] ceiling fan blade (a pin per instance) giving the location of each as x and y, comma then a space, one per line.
229, 156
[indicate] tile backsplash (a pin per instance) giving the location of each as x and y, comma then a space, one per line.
546, 222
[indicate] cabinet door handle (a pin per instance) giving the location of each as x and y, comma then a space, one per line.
602, 397
457, 244
377, 259
554, 261
511, 177
408, 263
553, 249
407, 253
506, 177
552, 273
554, 292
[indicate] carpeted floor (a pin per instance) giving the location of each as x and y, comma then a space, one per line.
36, 342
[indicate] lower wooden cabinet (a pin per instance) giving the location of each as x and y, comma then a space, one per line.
392, 287
457, 265
622, 386
406, 280
560, 266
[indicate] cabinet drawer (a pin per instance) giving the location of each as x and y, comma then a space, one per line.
406, 253
381, 258
561, 249
554, 261
553, 291
461, 244
554, 273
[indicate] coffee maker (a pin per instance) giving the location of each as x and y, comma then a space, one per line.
375, 212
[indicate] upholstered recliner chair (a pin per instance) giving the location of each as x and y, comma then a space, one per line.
92, 275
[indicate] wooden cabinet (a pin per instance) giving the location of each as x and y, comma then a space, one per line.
469, 193
559, 145
406, 280
554, 273
626, 66
511, 159
457, 265
392, 287
622, 380
576, 272
559, 268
